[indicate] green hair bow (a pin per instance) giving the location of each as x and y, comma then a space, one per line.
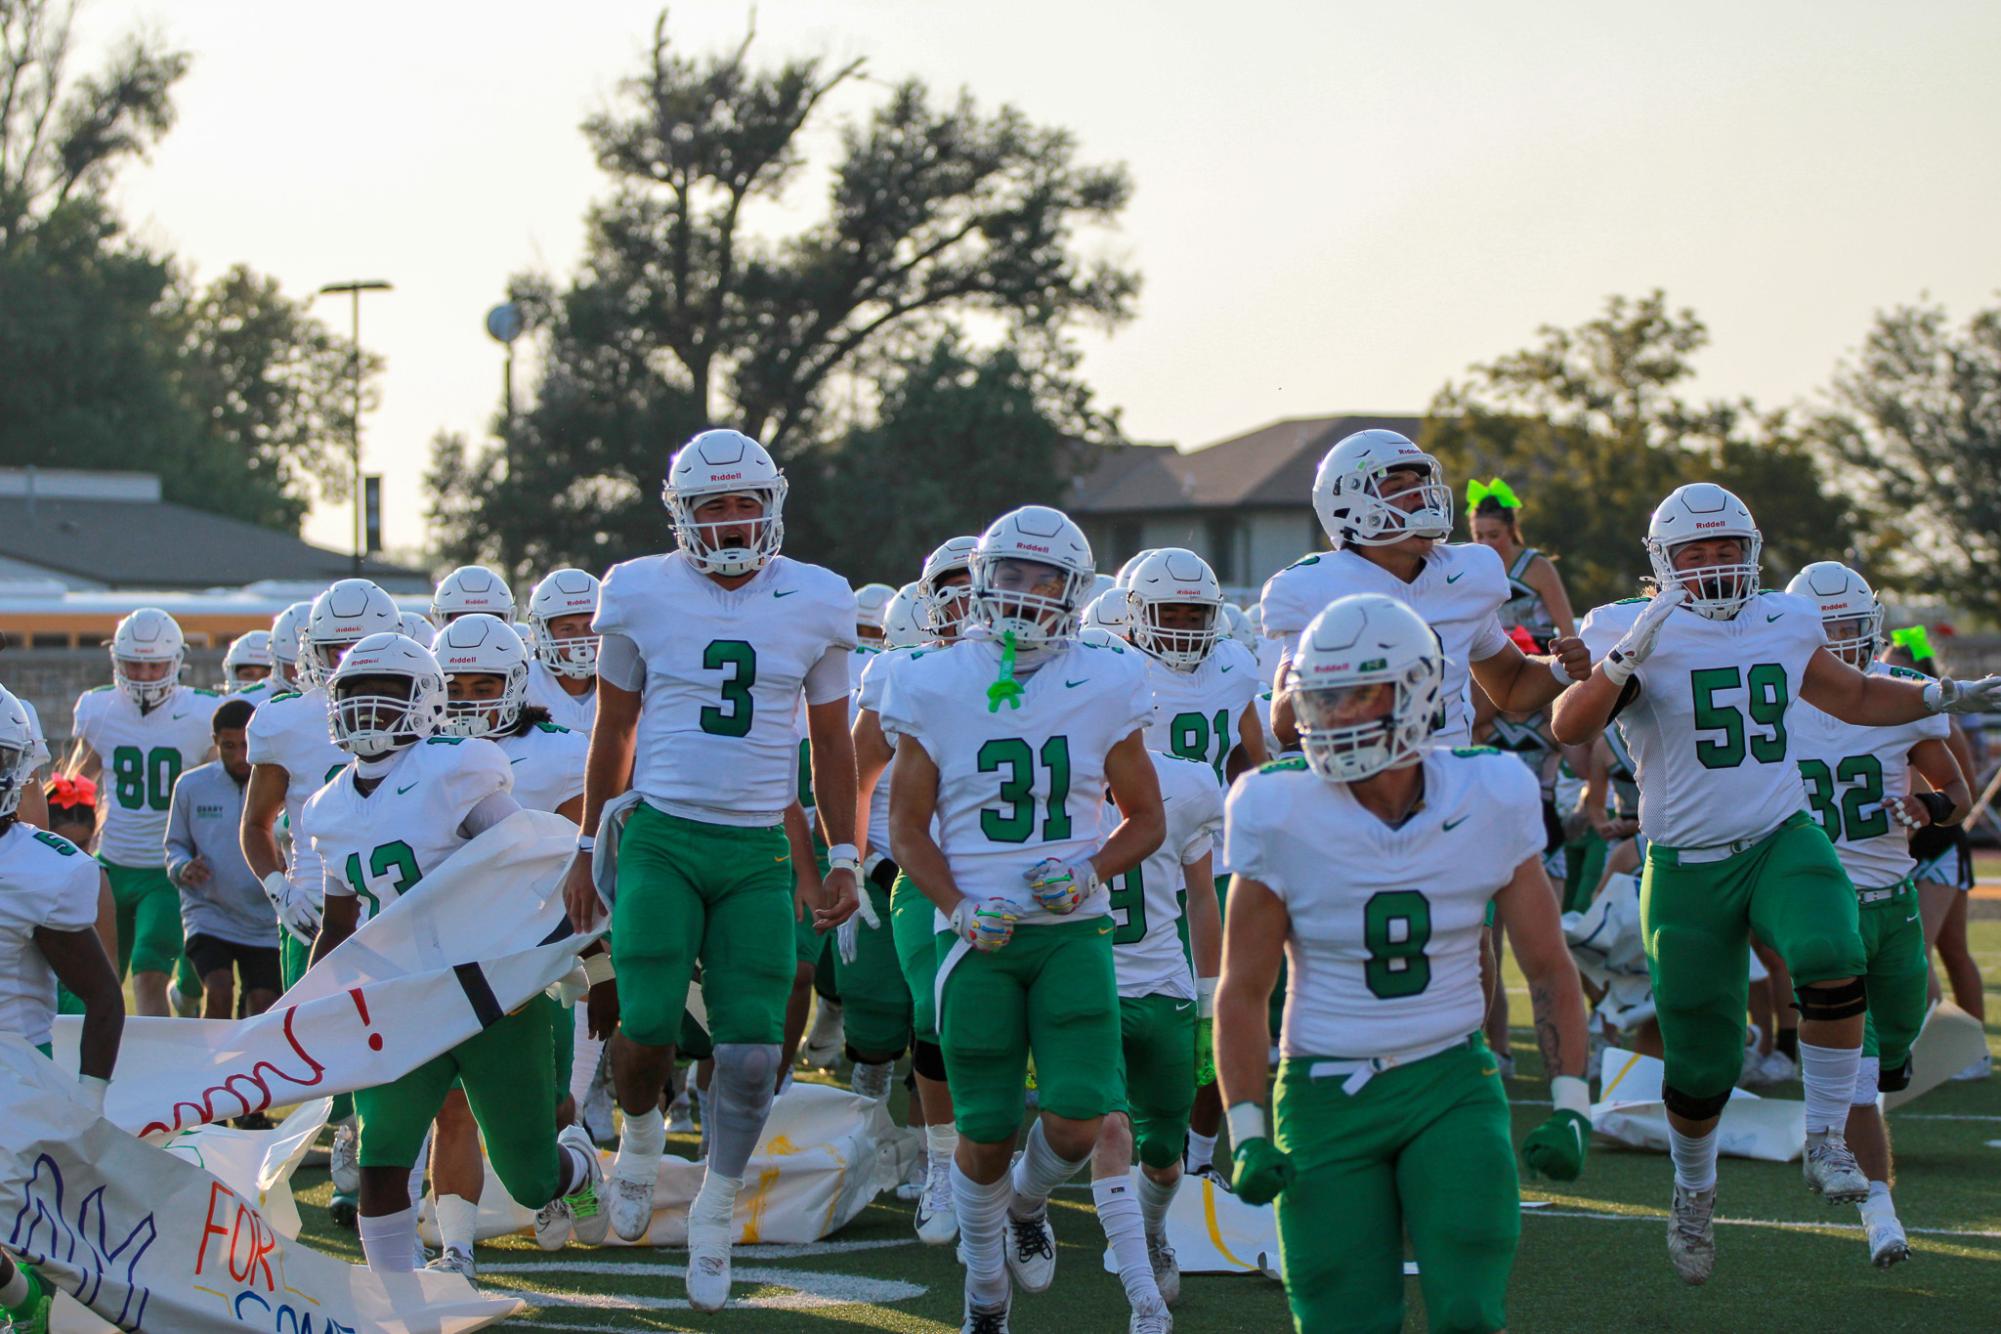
1915, 638
1503, 494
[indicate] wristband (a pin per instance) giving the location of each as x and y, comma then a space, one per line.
1556, 670
846, 853
1205, 997
1937, 805
1570, 1094
92, 1089
1617, 668
597, 968
1247, 1122
587, 843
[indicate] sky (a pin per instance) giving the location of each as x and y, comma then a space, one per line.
1338, 206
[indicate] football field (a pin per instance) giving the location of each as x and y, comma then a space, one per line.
1592, 1253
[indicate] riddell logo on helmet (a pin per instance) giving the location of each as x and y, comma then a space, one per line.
1713, 523
456, 661
1020, 545
725, 476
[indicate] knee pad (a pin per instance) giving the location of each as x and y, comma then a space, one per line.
1154, 1149
1836, 1000
1894, 1081
928, 1060
745, 1066
1691, 1107
878, 1056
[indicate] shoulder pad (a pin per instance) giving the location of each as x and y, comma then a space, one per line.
541, 727
1469, 752
1292, 765
283, 694
1906, 673
444, 740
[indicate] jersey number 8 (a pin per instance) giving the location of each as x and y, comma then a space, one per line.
1396, 926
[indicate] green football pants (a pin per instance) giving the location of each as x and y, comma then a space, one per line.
875, 1001
1894, 940
914, 923
1157, 1074
720, 894
149, 918
1420, 1149
1696, 918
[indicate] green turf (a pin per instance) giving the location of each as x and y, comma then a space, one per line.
1785, 1261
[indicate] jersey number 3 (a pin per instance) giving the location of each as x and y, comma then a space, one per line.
739, 659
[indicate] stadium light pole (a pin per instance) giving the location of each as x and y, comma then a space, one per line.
354, 290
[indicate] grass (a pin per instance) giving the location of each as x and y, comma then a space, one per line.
1593, 1259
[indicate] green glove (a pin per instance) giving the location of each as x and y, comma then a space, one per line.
1555, 1149
1262, 1171
1205, 1053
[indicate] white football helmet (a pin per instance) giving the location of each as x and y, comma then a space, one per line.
566, 592
1699, 511
1348, 497
1124, 576
1174, 576
417, 625
18, 752
1843, 596
1105, 619
1023, 548
345, 614
482, 645
372, 724
288, 633
871, 600
469, 589
1358, 643
145, 636
250, 649
902, 623
725, 463
1241, 627
942, 609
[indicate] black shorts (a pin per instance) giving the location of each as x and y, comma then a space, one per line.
258, 964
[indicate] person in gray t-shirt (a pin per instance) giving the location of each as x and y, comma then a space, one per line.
227, 921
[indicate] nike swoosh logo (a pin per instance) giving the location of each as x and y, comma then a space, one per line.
1072, 685
783, 592
1183, 1007
1231, 668
1105, 930
1773, 617
1912, 918
1495, 1071
782, 859
515, 760
1454, 578
1454, 824
401, 790
174, 718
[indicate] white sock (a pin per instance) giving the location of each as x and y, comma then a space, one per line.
1694, 1159
1201, 1151
941, 1142
1829, 1076
390, 1241
640, 1145
1879, 1204
576, 1168
982, 1212
702, 1105
714, 1205
458, 1220
1040, 1170
584, 1060
1154, 1200
1868, 1073
1119, 1215
872, 1079
15, 1290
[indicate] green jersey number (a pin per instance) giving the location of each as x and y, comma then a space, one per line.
56, 841
1766, 700
145, 781
740, 659
1128, 907
391, 859
1194, 737
1860, 815
1396, 926
1016, 824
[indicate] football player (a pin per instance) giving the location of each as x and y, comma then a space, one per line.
871, 602
1704, 675
468, 589
292, 756
33, 806
288, 630
1858, 787
411, 798
704, 655
133, 738
1009, 742
1387, 510
247, 661
564, 676
1370, 864
54, 905
941, 596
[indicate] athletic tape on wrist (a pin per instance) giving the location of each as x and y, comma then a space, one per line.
1570, 1094
1247, 1122
597, 968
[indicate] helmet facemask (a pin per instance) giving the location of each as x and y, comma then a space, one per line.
1853, 636
1716, 591
483, 704
372, 715
1184, 646
571, 655
149, 693
1397, 500
16, 772
734, 545
943, 608
1347, 731
1034, 601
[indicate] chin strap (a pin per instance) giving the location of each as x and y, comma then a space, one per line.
1006, 688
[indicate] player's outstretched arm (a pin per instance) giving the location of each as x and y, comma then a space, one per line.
1253, 947
1519, 683
1868, 700
1527, 907
81, 964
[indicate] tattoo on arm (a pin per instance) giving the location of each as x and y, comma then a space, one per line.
1542, 999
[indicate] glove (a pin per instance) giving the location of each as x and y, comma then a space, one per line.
848, 935
1205, 1053
1555, 1149
301, 915
1946, 695
1262, 1171
1058, 887
1638, 642
985, 924
570, 988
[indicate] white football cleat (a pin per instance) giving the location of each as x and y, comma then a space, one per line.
1980, 1069
1031, 1251
587, 1203
936, 1221
631, 1206
822, 1047
1831, 1171
344, 1159
1887, 1243
1166, 1271
986, 1319
708, 1265
1153, 1320
1691, 1235
454, 1261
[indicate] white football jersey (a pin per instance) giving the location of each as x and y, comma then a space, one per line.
1709, 730
725, 670
576, 712
1850, 770
548, 765
45, 881
142, 754
257, 692
1017, 785
1459, 592
1197, 715
290, 731
1384, 950
376, 848
1149, 901
869, 690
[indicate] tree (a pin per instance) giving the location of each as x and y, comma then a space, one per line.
1914, 433
1589, 427
685, 314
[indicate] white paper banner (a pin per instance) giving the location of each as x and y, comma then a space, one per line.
1214, 1232
149, 1241
1629, 1111
463, 950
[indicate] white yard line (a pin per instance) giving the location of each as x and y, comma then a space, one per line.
1790, 1225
